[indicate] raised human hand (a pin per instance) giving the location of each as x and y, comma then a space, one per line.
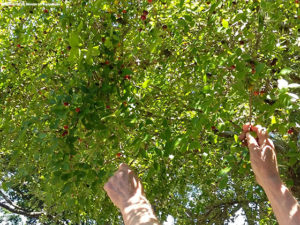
262, 154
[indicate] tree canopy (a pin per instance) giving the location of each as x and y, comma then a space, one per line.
163, 85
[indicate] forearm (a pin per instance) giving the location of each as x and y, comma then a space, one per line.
139, 213
285, 206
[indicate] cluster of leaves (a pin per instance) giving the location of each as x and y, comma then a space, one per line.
163, 85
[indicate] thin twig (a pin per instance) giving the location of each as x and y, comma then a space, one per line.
250, 107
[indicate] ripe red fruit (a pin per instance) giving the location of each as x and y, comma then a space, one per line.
77, 110
143, 17
65, 133
124, 11
46, 11
255, 93
213, 128
66, 103
297, 1
232, 67
242, 42
291, 131
262, 93
108, 107
164, 27
149, 1
118, 155
253, 71
127, 77
18, 45
106, 62
66, 127
145, 12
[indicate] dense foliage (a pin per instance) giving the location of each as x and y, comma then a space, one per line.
163, 85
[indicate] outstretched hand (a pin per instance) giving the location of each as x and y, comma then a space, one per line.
126, 191
262, 154
124, 187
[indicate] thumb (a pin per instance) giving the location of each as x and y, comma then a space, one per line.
252, 143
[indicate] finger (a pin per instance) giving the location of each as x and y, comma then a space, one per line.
270, 142
108, 186
252, 143
246, 127
242, 136
262, 134
124, 166
140, 188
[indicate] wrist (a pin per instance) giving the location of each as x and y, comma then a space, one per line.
134, 202
271, 182
138, 210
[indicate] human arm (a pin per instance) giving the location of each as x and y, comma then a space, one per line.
264, 165
126, 191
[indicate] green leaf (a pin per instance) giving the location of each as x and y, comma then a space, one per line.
286, 71
74, 40
145, 84
67, 187
224, 171
225, 23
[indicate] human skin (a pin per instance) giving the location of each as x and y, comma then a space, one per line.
264, 165
126, 191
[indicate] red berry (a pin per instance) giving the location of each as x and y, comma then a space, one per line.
253, 71
66, 103
164, 27
106, 62
18, 45
124, 11
255, 93
232, 67
213, 128
297, 1
66, 127
125, 103
149, 1
242, 42
108, 107
103, 39
145, 12
143, 17
46, 11
262, 93
127, 77
65, 133
118, 155
291, 131
77, 110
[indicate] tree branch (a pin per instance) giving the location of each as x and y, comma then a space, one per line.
21, 211
9, 201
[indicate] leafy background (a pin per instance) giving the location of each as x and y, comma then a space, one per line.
163, 85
